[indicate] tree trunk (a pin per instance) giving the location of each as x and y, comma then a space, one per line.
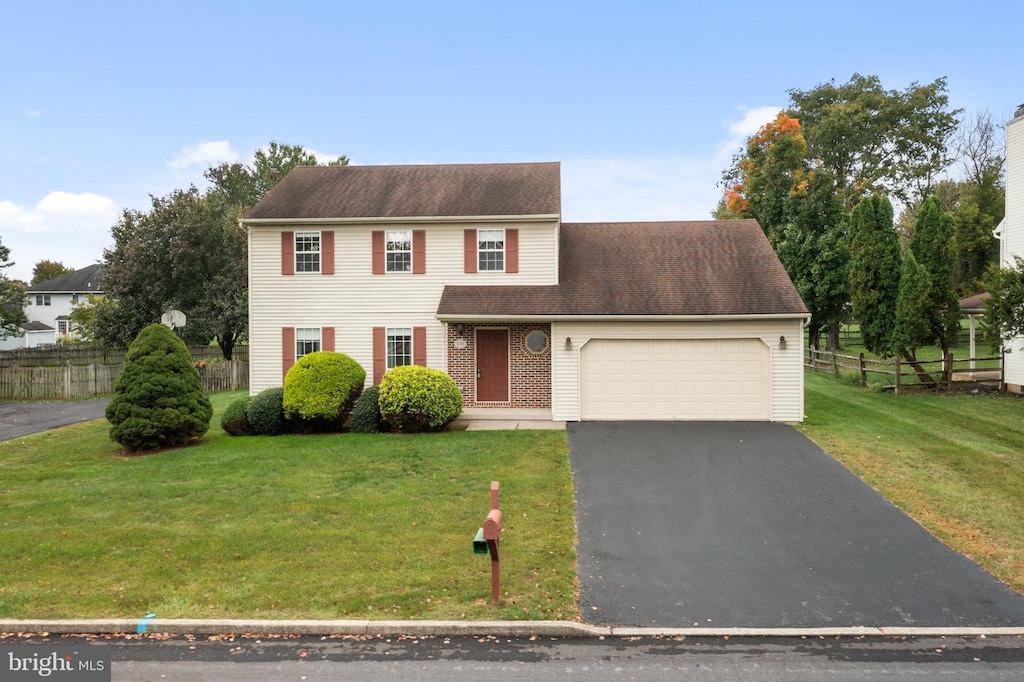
813, 335
832, 340
922, 374
227, 344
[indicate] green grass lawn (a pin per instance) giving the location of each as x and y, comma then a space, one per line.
329, 526
955, 463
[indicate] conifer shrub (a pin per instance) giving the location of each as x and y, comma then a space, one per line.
234, 421
414, 398
319, 391
158, 399
265, 412
366, 413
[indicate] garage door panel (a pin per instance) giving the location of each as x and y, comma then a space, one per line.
706, 379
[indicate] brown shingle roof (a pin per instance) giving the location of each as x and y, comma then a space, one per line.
495, 189
665, 268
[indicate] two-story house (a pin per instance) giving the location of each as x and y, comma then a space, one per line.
50, 304
469, 269
1011, 236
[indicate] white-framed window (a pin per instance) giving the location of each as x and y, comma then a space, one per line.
490, 250
307, 340
42, 299
399, 349
398, 250
307, 252
74, 298
63, 327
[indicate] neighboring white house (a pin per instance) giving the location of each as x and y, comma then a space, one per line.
50, 303
1011, 235
469, 269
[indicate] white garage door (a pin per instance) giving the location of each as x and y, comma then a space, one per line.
679, 379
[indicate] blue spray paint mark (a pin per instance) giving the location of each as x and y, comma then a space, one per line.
144, 623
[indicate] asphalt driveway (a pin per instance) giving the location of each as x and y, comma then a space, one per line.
22, 419
752, 525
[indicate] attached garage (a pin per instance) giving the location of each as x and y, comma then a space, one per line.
675, 379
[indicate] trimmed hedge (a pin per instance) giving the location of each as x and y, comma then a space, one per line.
414, 398
319, 390
233, 421
265, 412
366, 413
158, 399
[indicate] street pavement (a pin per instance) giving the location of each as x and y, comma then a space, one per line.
19, 419
717, 525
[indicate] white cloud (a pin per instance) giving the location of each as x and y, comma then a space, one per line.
679, 187
70, 228
752, 120
204, 155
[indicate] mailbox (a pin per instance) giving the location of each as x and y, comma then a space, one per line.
479, 544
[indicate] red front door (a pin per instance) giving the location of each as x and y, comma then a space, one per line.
492, 365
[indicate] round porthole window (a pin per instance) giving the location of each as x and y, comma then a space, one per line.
537, 341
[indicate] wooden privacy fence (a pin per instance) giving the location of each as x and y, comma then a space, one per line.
73, 382
85, 354
899, 373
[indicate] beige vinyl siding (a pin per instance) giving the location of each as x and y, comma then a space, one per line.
1013, 233
353, 300
787, 400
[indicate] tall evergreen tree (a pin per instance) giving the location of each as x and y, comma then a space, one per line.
874, 272
913, 323
934, 246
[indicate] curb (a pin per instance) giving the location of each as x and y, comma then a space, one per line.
444, 628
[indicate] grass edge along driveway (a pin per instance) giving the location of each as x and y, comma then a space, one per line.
954, 463
323, 527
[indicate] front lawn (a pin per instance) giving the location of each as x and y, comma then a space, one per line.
325, 527
955, 463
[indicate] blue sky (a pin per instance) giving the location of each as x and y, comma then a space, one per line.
644, 103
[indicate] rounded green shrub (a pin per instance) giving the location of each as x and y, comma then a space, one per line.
414, 398
233, 421
158, 399
265, 412
319, 390
366, 413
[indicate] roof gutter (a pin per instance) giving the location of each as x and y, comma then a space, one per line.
370, 220
619, 318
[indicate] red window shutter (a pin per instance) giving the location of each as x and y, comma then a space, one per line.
419, 252
327, 252
327, 338
378, 252
287, 253
470, 248
380, 358
419, 346
287, 349
512, 250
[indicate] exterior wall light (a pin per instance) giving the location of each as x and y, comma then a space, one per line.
568, 343
782, 343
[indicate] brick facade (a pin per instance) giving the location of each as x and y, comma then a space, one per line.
529, 373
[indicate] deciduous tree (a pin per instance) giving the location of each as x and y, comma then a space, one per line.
1003, 322
45, 270
12, 299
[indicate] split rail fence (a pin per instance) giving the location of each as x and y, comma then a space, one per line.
899, 373
57, 374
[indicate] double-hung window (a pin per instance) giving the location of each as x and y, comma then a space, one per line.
490, 249
399, 346
307, 252
42, 299
307, 340
63, 327
398, 245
